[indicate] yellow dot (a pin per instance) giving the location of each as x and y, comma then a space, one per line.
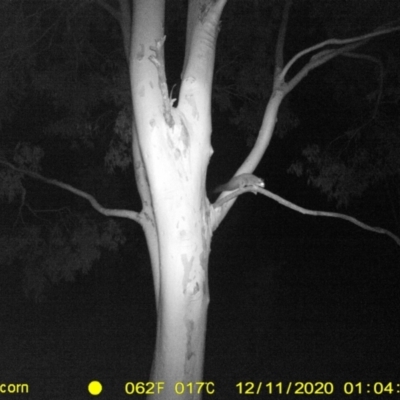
95, 388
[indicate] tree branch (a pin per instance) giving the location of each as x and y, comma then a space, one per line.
317, 60
111, 10
335, 42
305, 211
281, 89
125, 22
281, 39
102, 210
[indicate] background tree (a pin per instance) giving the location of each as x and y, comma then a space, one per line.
171, 151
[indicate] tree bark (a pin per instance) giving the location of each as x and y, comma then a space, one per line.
173, 149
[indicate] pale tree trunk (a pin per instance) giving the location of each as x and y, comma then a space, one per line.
171, 154
171, 149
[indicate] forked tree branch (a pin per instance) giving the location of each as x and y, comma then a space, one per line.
287, 203
318, 60
95, 204
281, 88
335, 42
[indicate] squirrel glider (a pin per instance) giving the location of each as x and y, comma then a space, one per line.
240, 182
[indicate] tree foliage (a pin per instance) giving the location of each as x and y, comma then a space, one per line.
56, 252
63, 72
361, 153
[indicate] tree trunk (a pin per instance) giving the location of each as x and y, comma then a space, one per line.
172, 151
